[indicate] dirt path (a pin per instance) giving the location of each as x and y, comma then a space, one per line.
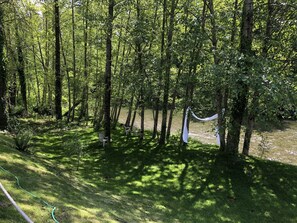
279, 145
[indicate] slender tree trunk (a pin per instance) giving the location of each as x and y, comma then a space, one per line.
240, 101
128, 119
250, 123
21, 71
58, 78
36, 75
140, 73
45, 71
167, 73
68, 81
13, 82
255, 101
120, 106
234, 26
219, 90
73, 57
135, 111
84, 104
160, 74
3, 76
107, 80
173, 103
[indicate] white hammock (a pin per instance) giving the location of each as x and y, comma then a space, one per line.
185, 128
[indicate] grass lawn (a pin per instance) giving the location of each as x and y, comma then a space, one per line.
140, 182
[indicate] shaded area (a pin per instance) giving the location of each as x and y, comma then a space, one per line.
141, 182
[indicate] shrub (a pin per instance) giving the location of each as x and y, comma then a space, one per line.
13, 125
22, 140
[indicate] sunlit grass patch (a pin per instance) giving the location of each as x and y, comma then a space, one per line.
133, 181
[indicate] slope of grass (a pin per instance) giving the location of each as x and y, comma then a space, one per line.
141, 182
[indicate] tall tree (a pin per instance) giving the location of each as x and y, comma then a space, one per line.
58, 78
252, 111
168, 63
3, 75
73, 58
84, 101
21, 70
108, 64
240, 99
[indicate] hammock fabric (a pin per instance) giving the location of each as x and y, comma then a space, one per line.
185, 128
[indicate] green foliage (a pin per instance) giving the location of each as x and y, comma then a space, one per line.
22, 139
13, 125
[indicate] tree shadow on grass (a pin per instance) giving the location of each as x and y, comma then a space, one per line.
194, 184
197, 184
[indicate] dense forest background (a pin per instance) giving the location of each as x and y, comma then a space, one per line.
85, 60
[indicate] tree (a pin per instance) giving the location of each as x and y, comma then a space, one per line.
108, 64
3, 75
21, 70
58, 78
240, 99
168, 63
73, 58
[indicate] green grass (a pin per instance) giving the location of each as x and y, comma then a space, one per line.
141, 182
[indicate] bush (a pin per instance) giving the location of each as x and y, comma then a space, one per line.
13, 125
22, 140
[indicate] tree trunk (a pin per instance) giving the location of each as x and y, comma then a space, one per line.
3, 76
250, 123
36, 74
240, 101
58, 78
73, 58
160, 73
141, 72
128, 119
107, 79
84, 104
219, 90
255, 101
135, 112
167, 73
173, 103
21, 71
68, 81
234, 26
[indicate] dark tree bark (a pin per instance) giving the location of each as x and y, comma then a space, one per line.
84, 104
107, 79
141, 72
21, 71
128, 119
73, 58
3, 76
157, 99
68, 81
173, 103
240, 101
167, 73
36, 74
252, 113
219, 90
58, 78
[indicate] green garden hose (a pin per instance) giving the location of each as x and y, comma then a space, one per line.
33, 195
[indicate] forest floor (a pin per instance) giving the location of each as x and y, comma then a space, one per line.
274, 143
139, 182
